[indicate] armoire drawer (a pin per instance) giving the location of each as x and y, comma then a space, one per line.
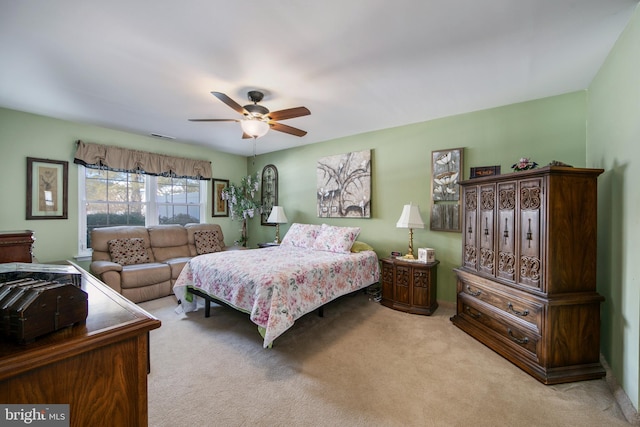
514, 304
509, 332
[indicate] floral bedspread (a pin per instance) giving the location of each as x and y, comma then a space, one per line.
276, 285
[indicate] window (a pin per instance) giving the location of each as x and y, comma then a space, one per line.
122, 198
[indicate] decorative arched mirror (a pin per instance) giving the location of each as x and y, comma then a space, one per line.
269, 192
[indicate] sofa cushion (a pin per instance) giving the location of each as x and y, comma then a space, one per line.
140, 275
207, 241
191, 230
128, 251
168, 241
100, 240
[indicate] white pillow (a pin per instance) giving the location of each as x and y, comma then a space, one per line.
336, 239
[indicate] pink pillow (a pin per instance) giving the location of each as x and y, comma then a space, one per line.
301, 235
336, 239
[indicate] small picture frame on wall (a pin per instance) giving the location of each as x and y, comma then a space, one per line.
47, 183
480, 171
219, 206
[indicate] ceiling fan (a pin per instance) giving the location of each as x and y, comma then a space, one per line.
258, 119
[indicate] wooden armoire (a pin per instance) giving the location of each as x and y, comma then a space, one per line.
527, 284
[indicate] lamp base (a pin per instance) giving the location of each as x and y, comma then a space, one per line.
408, 256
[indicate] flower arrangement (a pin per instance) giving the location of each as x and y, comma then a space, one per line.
242, 203
524, 164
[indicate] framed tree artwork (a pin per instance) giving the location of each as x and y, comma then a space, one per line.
47, 184
446, 172
219, 206
344, 185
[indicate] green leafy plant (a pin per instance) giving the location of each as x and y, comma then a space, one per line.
242, 202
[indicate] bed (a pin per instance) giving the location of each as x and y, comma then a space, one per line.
278, 285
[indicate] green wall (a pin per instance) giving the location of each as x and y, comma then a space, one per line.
25, 135
544, 130
613, 137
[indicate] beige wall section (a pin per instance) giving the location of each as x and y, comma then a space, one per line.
25, 135
613, 143
545, 130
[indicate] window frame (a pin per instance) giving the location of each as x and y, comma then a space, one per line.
151, 217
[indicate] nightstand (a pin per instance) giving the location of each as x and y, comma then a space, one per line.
409, 286
268, 244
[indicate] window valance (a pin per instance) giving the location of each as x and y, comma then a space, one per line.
125, 159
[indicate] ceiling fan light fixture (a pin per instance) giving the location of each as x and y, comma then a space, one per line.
255, 128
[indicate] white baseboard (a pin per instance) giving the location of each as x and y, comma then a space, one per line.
629, 411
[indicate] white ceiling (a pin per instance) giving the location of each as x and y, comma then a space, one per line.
146, 66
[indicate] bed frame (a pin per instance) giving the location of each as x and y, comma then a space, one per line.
209, 299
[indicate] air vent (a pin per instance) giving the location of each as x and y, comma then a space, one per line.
157, 135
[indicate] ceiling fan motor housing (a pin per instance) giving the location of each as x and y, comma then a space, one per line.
256, 110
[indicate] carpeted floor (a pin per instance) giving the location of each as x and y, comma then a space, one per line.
362, 364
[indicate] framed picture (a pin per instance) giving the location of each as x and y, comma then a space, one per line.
219, 206
269, 190
480, 171
446, 172
47, 183
344, 185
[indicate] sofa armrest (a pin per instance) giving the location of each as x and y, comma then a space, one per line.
101, 267
109, 273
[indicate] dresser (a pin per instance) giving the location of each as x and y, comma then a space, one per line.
98, 367
409, 286
16, 246
527, 284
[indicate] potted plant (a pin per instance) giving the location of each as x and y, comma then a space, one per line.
242, 203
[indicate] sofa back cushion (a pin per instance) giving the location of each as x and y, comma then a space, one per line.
211, 238
168, 241
100, 238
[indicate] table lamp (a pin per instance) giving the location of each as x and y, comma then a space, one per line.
410, 218
277, 217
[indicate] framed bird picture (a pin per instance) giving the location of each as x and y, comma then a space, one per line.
446, 172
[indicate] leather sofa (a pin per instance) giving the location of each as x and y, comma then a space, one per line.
143, 263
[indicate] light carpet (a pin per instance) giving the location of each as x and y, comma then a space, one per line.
362, 364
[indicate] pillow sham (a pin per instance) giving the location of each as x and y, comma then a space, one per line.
128, 251
336, 239
301, 235
359, 246
206, 241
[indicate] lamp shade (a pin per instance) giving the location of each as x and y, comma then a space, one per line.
277, 215
255, 128
410, 217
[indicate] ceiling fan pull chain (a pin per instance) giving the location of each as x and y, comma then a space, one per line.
254, 150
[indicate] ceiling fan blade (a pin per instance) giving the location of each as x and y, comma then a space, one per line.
289, 113
230, 102
214, 120
287, 129
246, 136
